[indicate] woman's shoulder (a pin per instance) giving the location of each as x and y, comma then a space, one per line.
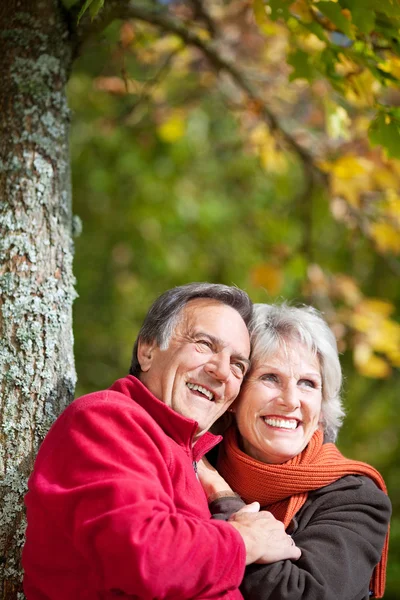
353, 489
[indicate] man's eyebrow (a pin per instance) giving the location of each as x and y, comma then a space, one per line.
247, 361
220, 344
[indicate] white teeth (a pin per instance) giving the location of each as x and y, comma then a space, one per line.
200, 388
283, 423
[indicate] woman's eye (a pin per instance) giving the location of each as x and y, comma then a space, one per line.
307, 383
269, 377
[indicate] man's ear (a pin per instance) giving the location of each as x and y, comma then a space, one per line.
145, 354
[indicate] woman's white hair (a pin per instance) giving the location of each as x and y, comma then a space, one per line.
273, 325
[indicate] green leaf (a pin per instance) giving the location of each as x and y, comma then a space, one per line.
279, 9
362, 14
363, 18
390, 8
333, 11
302, 69
385, 131
94, 7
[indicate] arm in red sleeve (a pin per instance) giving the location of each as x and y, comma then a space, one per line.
106, 476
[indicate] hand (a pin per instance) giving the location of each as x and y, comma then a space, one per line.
213, 483
264, 536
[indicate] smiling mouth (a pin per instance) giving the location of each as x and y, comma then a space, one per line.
204, 392
281, 423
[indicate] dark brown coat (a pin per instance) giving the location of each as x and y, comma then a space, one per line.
340, 530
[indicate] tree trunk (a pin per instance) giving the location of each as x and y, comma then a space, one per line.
37, 373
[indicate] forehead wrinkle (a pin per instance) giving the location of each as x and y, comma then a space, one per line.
221, 345
273, 361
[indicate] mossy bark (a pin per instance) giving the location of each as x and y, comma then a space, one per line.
37, 373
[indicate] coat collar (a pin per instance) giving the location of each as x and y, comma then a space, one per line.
179, 428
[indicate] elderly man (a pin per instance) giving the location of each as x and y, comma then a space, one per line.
114, 506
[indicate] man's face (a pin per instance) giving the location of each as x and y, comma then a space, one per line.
200, 373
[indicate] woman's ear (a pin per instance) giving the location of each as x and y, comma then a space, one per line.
145, 354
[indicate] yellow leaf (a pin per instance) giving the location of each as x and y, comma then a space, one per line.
362, 89
311, 43
394, 358
381, 334
301, 9
391, 206
260, 135
351, 176
369, 364
385, 338
261, 17
362, 322
349, 166
345, 66
173, 128
391, 65
271, 158
386, 237
385, 179
376, 306
268, 276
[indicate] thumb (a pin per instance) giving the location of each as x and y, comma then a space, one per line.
254, 507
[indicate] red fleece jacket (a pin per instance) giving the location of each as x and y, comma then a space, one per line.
115, 510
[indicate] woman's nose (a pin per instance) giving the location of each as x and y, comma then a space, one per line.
290, 397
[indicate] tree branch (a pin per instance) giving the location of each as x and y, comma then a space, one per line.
201, 13
125, 9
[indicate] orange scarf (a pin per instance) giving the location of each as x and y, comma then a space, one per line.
283, 489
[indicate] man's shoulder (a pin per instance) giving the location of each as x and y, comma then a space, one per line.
103, 417
112, 403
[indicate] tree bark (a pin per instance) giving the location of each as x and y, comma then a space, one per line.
37, 373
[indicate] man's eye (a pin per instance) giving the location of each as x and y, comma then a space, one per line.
205, 343
239, 366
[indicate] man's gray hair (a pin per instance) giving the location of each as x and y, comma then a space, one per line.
164, 314
274, 325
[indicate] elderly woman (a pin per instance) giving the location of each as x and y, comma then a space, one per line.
280, 452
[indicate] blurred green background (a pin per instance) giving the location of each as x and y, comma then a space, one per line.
169, 191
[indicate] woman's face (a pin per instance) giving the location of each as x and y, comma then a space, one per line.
279, 407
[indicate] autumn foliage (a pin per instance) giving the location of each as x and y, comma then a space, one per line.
255, 143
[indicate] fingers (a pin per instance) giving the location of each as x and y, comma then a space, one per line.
296, 553
280, 548
264, 536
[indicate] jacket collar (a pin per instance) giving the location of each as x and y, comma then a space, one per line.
179, 428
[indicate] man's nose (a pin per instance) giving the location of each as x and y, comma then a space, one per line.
219, 366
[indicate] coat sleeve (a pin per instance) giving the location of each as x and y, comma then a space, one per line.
341, 534
223, 507
107, 483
